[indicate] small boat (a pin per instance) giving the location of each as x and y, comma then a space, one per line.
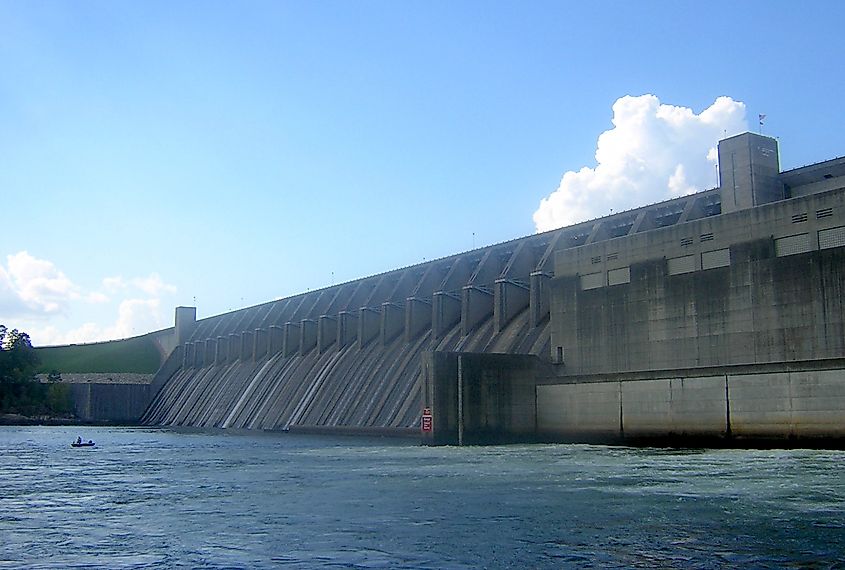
88, 443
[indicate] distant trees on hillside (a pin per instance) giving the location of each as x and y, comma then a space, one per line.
20, 392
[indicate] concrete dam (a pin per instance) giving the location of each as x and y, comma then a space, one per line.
716, 316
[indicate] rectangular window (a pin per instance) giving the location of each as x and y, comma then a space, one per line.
716, 258
592, 281
619, 276
679, 265
833, 237
791, 245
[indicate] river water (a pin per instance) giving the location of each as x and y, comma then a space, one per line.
146, 498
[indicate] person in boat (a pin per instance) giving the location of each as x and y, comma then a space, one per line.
78, 440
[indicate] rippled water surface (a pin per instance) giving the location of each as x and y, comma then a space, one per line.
161, 499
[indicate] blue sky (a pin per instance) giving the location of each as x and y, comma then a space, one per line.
224, 154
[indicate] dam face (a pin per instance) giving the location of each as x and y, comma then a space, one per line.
716, 315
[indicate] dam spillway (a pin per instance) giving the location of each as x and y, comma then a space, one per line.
315, 361
717, 314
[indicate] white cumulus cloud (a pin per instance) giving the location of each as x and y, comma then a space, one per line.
32, 285
134, 317
37, 297
653, 152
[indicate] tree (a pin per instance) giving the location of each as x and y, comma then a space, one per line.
20, 392
17, 357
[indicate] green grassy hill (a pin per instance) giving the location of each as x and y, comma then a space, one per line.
136, 355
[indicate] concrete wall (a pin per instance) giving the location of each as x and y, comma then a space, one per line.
799, 405
748, 309
110, 403
748, 171
480, 398
108, 397
717, 291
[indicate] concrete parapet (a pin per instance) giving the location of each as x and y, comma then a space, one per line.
199, 353
539, 297
392, 321
326, 332
307, 335
277, 339
369, 324
418, 316
210, 352
347, 328
260, 344
247, 345
234, 345
189, 358
222, 351
476, 307
446, 312
291, 339
510, 297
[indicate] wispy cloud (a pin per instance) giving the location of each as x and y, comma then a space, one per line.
653, 152
153, 285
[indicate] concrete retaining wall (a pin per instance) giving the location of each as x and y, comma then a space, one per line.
108, 397
480, 398
778, 405
113, 403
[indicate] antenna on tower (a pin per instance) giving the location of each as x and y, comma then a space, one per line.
761, 118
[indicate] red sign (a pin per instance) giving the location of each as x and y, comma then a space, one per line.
427, 419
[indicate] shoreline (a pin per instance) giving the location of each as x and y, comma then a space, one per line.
21, 420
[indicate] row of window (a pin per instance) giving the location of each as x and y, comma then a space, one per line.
789, 245
802, 243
